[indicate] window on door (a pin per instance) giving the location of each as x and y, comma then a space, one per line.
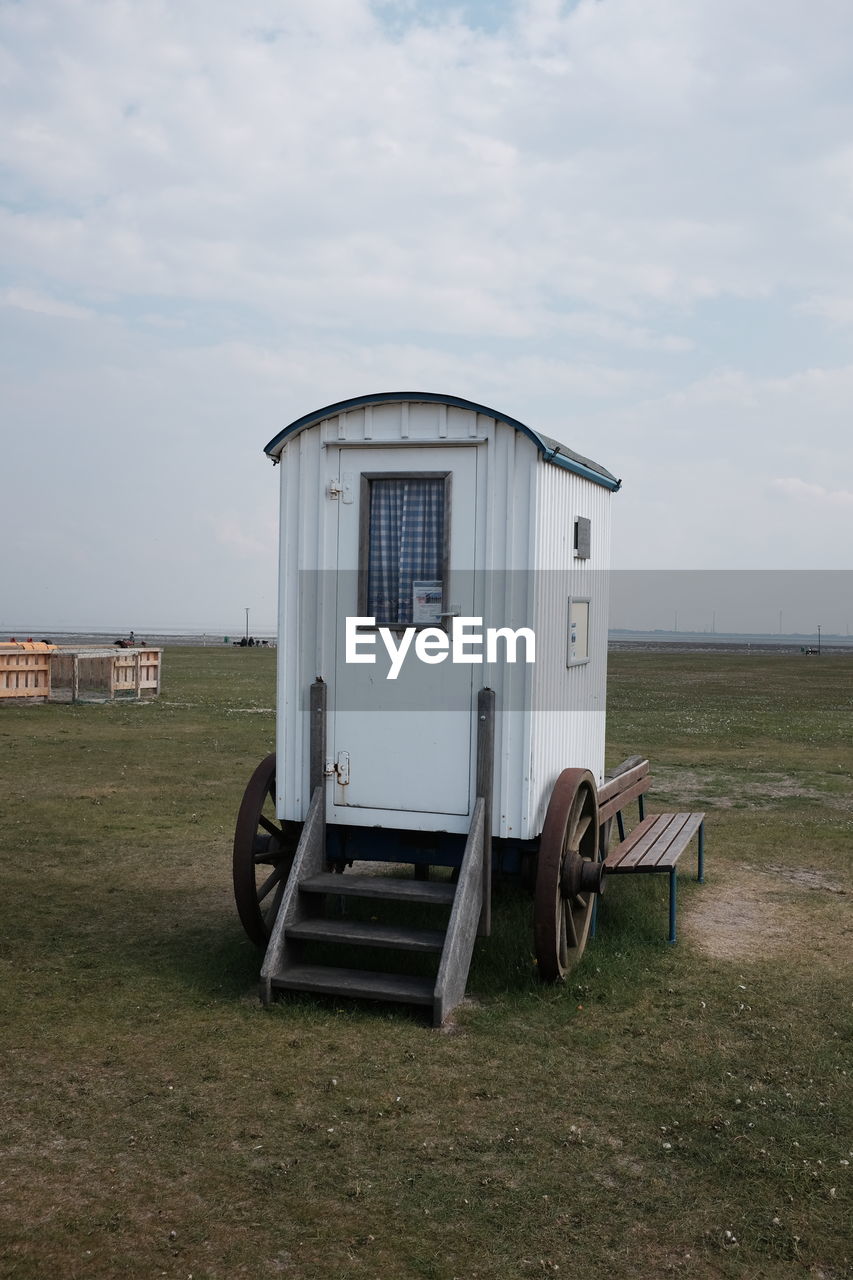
405, 522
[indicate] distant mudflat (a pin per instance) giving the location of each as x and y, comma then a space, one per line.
157, 639
660, 642
836, 647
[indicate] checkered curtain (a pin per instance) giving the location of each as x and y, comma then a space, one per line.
406, 545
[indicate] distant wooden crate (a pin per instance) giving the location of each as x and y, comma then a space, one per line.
25, 671
91, 674
137, 671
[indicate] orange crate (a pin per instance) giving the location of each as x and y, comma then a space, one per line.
25, 670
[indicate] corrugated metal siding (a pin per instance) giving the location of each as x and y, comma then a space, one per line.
512, 461
526, 512
568, 705
402, 421
303, 549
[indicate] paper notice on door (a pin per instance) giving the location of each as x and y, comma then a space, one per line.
427, 604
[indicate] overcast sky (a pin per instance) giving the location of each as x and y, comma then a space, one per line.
628, 224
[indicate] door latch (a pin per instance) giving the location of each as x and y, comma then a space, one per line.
341, 489
342, 768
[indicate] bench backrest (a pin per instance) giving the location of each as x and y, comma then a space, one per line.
628, 782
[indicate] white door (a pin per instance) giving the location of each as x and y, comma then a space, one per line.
406, 554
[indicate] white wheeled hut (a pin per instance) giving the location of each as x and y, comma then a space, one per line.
442, 645
519, 537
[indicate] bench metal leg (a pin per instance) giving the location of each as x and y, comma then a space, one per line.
701, 869
620, 823
672, 895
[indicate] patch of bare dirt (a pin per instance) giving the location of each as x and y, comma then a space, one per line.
750, 914
734, 920
694, 787
805, 878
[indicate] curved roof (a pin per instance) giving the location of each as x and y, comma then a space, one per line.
551, 450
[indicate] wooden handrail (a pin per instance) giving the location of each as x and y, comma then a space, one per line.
464, 917
309, 860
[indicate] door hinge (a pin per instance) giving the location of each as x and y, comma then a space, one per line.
342, 768
334, 489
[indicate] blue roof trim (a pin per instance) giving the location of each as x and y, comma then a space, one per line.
569, 464
550, 450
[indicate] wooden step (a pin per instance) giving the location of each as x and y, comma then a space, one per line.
325, 980
385, 887
361, 934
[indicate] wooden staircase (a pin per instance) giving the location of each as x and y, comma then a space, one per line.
306, 919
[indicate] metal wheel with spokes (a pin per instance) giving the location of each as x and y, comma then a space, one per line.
263, 853
568, 874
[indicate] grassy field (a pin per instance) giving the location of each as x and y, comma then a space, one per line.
669, 1111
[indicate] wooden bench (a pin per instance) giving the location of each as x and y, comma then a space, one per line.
656, 843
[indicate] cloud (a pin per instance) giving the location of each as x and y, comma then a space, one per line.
629, 225
837, 308
232, 532
41, 304
603, 156
813, 494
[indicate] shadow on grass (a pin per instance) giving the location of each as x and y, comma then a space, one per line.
179, 939
149, 938
209, 956
203, 949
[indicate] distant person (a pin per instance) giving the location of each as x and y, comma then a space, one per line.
251, 642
